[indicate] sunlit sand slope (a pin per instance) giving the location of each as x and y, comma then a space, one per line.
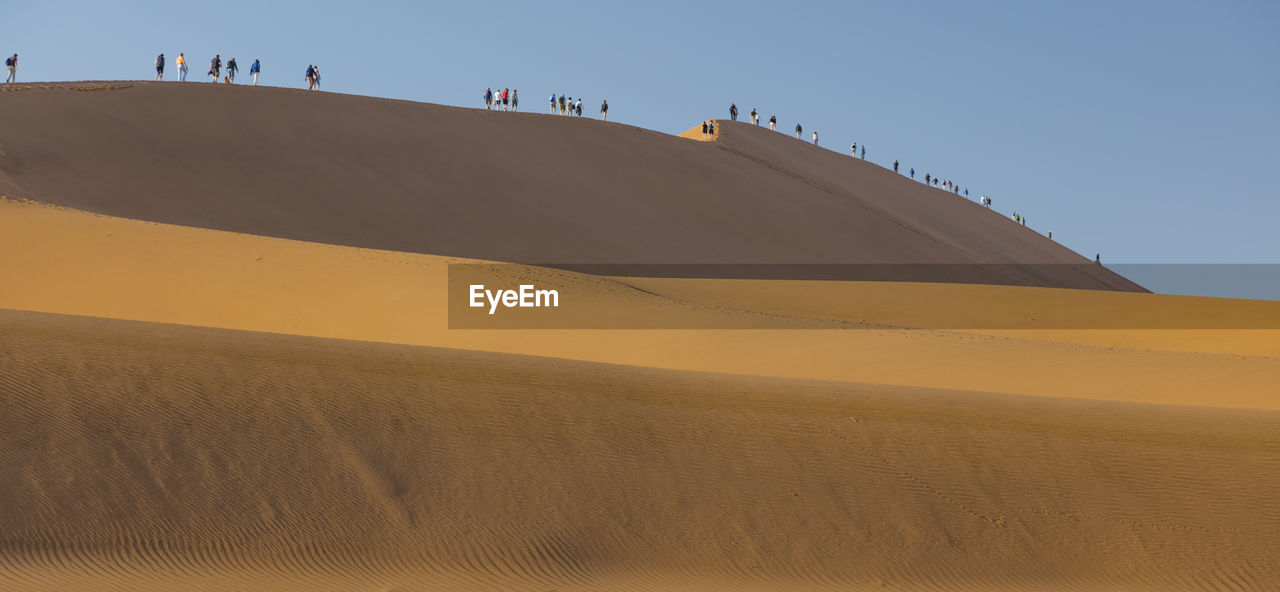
150, 457
64, 261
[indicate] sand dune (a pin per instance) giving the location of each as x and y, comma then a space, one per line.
234, 356
82, 264
146, 456
422, 178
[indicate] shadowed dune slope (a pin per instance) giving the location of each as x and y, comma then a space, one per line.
144, 456
529, 188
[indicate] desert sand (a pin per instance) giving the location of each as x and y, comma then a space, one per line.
200, 390
522, 187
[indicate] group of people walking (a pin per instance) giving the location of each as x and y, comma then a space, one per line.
709, 129
507, 100
313, 77
215, 69
562, 105
709, 133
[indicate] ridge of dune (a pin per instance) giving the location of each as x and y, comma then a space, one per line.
92, 265
517, 187
155, 457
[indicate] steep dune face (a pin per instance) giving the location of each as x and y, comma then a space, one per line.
507, 187
144, 456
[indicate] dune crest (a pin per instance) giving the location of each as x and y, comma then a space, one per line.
516, 187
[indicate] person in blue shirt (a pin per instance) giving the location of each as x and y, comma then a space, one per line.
913, 172
254, 70
553, 103
160, 67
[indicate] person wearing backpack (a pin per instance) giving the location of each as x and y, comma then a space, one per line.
604, 110
254, 70
182, 67
160, 67
488, 99
798, 131
733, 111
215, 67
773, 123
311, 77
11, 64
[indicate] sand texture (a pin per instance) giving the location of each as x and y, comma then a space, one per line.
235, 357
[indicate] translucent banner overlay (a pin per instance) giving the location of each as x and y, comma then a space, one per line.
934, 296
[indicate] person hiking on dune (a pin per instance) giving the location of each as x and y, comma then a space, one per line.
553, 103
798, 131
488, 99
311, 77
755, 117
515, 100
895, 166
254, 70
815, 138
733, 111
562, 104
711, 129
578, 107
506, 98
604, 110
773, 123
159, 67
215, 67
913, 172
11, 64
704, 131
315, 75
182, 67
864, 152
232, 68
854, 149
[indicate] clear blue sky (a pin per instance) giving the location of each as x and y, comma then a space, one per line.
1147, 131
